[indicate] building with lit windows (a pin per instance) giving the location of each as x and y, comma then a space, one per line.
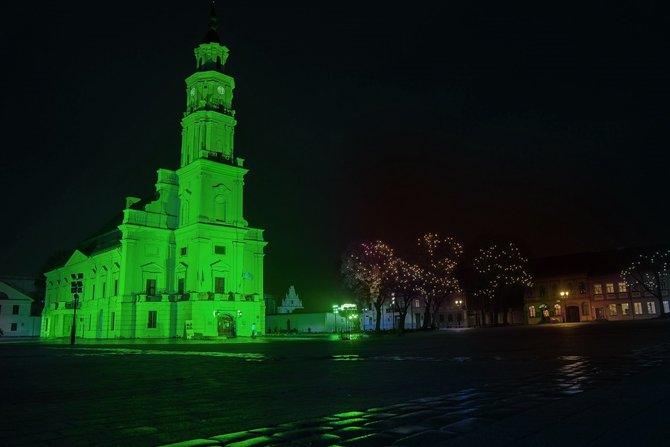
182, 264
586, 287
15, 316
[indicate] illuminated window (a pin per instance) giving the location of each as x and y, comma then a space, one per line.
610, 287
151, 287
557, 309
531, 312
598, 289
625, 309
219, 250
666, 307
612, 309
417, 303
637, 308
651, 307
153, 317
219, 284
622, 287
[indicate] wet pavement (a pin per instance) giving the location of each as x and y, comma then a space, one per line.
570, 384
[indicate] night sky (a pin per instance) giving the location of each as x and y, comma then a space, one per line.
547, 124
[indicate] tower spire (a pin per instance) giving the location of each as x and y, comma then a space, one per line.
212, 33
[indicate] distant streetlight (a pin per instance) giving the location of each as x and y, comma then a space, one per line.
76, 287
564, 296
459, 303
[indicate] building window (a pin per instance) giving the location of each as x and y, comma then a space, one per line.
541, 291
598, 289
15, 309
651, 307
582, 287
13, 327
93, 292
183, 251
585, 308
610, 287
112, 321
151, 287
153, 316
219, 250
180, 286
666, 307
557, 310
622, 287
531, 312
613, 309
219, 284
104, 289
625, 309
637, 308
116, 287
417, 303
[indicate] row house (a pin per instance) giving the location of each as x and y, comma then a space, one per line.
587, 287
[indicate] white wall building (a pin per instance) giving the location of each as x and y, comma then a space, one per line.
15, 318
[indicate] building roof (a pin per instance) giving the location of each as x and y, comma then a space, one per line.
601, 263
9, 293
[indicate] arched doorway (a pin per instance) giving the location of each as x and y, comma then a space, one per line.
572, 314
226, 326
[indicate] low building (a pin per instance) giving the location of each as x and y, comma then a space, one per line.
586, 287
15, 317
306, 322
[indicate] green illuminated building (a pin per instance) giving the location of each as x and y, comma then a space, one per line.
185, 263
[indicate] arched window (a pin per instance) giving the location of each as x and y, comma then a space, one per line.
531, 312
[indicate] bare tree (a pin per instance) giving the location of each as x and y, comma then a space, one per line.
439, 257
367, 269
407, 285
501, 271
650, 272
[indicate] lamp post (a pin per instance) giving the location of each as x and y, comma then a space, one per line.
76, 287
564, 296
459, 303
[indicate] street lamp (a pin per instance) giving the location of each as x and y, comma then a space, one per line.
459, 303
564, 296
76, 287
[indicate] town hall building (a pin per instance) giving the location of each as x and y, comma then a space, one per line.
184, 263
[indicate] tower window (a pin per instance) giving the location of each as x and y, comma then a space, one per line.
151, 287
219, 284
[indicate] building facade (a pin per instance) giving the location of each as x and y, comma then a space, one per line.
15, 317
290, 303
185, 263
587, 287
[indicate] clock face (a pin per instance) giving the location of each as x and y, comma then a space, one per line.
221, 90
193, 91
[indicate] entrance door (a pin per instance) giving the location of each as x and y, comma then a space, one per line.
572, 314
600, 313
226, 326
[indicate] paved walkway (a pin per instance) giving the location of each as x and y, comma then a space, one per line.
585, 402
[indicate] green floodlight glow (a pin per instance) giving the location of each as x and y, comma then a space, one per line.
186, 262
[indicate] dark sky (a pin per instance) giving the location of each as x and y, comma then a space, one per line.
544, 123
